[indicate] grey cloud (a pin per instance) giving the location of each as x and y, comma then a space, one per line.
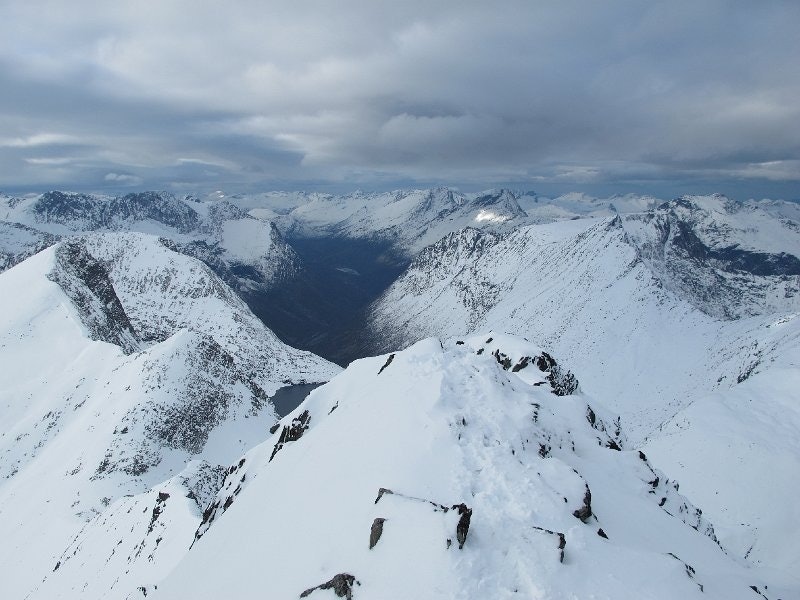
378, 94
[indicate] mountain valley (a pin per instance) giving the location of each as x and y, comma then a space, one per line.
521, 396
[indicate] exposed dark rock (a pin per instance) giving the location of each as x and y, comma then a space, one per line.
602, 533
503, 360
690, 251
86, 282
203, 483
223, 498
521, 364
562, 541
733, 258
292, 432
387, 363
157, 510
187, 424
341, 584
463, 510
381, 492
545, 362
161, 207
463, 523
690, 570
585, 511
562, 381
375, 532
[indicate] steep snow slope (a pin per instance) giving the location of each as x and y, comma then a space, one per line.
454, 471
124, 365
737, 454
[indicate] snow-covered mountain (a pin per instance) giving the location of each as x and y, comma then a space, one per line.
249, 253
409, 219
141, 455
124, 365
650, 297
729, 259
655, 310
470, 468
18, 242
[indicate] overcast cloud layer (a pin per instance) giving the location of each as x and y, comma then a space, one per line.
665, 97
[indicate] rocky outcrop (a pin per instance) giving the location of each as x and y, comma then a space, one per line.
387, 363
464, 514
562, 381
585, 511
86, 282
292, 432
376, 531
562, 540
341, 584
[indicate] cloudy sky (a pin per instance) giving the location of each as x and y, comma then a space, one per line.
604, 97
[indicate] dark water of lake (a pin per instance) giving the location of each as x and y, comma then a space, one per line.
286, 399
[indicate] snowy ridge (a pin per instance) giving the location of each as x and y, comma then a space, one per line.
735, 453
463, 477
106, 429
644, 343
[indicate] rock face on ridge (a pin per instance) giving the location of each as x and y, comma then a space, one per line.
86, 283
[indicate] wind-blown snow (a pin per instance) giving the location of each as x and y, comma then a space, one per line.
737, 454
